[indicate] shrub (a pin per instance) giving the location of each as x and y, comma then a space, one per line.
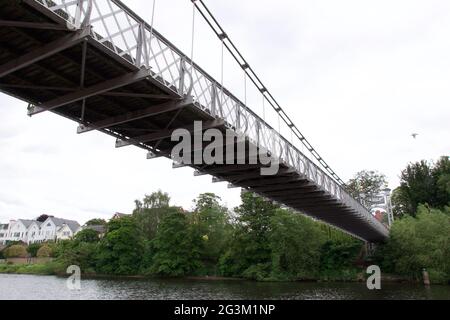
16, 251
33, 249
44, 252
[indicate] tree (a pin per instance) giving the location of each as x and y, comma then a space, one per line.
209, 223
157, 199
250, 254
441, 175
423, 183
295, 243
33, 249
417, 243
43, 217
150, 212
87, 235
366, 185
96, 222
121, 250
176, 251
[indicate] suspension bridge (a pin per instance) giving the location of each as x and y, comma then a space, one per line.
99, 64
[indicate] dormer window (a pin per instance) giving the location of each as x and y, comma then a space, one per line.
49, 224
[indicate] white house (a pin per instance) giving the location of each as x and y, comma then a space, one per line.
32, 231
18, 230
57, 229
4, 229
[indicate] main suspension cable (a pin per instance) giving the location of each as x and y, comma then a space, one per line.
236, 54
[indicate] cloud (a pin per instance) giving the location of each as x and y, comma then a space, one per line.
356, 77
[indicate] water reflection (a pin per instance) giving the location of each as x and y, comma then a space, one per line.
47, 287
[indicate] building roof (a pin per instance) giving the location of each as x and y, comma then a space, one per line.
73, 225
27, 223
98, 228
119, 215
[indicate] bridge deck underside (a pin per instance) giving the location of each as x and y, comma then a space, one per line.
59, 75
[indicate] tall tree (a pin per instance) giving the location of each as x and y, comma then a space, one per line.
366, 185
296, 243
43, 217
150, 212
210, 223
176, 252
423, 183
122, 249
250, 253
96, 222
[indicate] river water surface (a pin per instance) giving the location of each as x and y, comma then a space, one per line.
24, 287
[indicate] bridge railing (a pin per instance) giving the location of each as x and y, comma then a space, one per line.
126, 34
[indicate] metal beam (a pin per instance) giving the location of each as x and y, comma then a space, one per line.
164, 134
300, 184
43, 52
233, 168
32, 25
243, 177
293, 192
107, 94
94, 90
139, 95
135, 115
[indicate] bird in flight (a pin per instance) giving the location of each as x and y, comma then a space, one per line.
414, 135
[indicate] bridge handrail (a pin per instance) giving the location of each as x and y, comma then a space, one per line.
123, 32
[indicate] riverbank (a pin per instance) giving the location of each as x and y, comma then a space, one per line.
53, 268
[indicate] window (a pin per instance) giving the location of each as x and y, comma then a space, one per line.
49, 224
66, 233
17, 235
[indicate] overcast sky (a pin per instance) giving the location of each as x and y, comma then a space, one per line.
357, 77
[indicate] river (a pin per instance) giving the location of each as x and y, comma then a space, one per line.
25, 287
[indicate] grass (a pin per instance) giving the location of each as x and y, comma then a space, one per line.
38, 269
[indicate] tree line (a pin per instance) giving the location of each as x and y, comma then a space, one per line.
259, 240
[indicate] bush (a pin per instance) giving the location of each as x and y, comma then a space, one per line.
44, 252
417, 243
16, 251
33, 249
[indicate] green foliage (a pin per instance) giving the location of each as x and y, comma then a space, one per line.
82, 254
96, 222
44, 252
366, 184
338, 256
33, 249
423, 183
417, 243
255, 223
151, 211
87, 235
16, 251
176, 250
295, 243
121, 250
209, 223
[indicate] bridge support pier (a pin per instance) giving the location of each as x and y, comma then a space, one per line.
370, 248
